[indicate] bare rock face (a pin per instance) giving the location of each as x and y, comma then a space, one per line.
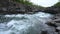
52, 10
4, 3
10, 7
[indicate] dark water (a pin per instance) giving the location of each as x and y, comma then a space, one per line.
25, 24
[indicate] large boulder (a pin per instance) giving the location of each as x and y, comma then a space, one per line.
52, 10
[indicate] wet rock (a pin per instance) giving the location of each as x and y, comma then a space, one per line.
57, 29
4, 19
51, 24
57, 20
44, 32
52, 10
57, 24
59, 32
57, 16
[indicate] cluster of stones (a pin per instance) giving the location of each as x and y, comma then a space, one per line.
52, 10
10, 7
55, 23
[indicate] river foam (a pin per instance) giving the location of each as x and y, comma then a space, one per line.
26, 24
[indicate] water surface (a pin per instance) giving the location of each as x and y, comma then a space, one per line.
25, 23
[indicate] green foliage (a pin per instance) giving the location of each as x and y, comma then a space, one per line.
57, 4
24, 2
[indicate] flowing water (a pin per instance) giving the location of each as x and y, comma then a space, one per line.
25, 23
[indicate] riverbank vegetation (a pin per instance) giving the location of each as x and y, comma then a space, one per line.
57, 4
27, 2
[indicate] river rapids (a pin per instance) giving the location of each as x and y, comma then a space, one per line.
26, 23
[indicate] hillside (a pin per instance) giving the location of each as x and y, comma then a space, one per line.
57, 4
14, 7
55, 9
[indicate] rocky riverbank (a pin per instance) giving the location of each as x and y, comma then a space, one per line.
52, 10
55, 22
10, 7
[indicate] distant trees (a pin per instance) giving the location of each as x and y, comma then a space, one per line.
27, 2
57, 4
24, 2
